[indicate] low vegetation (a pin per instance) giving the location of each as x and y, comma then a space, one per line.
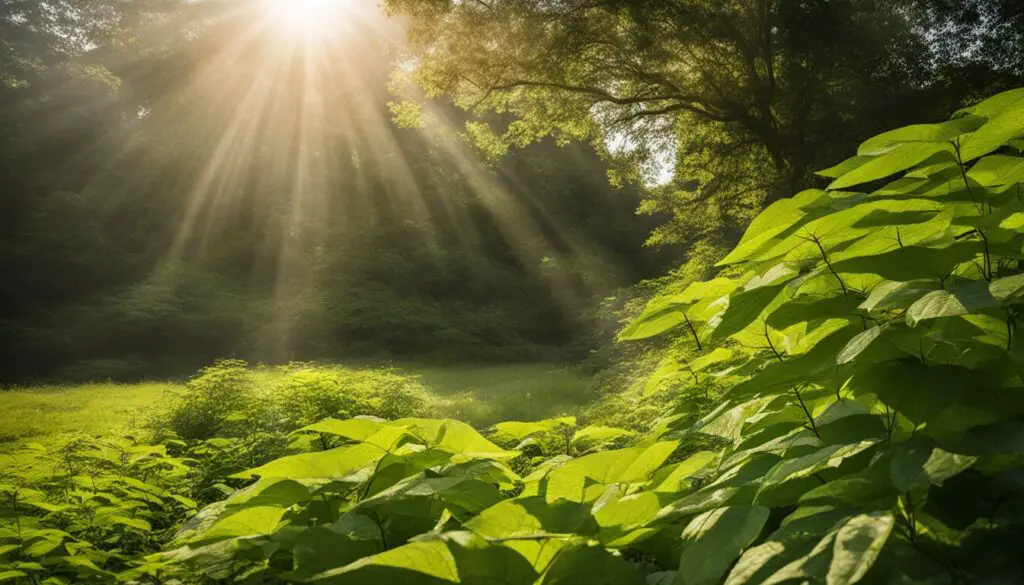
848, 409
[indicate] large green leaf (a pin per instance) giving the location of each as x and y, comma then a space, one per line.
1002, 127
576, 479
900, 158
941, 132
455, 437
334, 463
257, 520
998, 170
532, 516
713, 540
355, 429
804, 550
593, 565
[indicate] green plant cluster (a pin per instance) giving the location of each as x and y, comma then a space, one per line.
868, 421
107, 505
230, 399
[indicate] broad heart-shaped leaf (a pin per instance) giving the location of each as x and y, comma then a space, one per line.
744, 307
1000, 129
257, 520
672, 368
998, 170
993, 105
463, 492
665, 313
844, 167
941, 132
455, 437
669, 479
779, 220
270, 491
521, 430
967, 298
799, 467
593, 565
532, 516
355, 429
900, 158
896, 295
858, 344
655, 320
917, 462
450, 558
714, 539
816, 545
334, 463
911, 262
583, 479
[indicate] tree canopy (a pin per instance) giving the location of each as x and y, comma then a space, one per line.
740, 98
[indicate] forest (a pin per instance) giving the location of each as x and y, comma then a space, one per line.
511, 292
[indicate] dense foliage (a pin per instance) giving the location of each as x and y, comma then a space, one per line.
860, 351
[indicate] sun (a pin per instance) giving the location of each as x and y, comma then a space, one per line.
307, 18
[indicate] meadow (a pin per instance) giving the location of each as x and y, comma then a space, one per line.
480, 395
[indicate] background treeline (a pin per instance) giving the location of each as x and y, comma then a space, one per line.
144, 233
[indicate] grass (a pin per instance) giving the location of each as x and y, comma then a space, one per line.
484, 395
50, 414
480, 395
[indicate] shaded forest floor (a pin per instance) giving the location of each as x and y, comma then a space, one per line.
480, 395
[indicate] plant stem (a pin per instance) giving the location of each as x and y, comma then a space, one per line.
824, 256
810, 419
693, 332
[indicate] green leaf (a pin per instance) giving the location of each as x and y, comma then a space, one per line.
895, 295
1000, 129
334, 463
449, 558
417, 563
900, 158
964, 299
845, 167
521, 430
857, 544
677, 473
713, 540
942, 132
355, 429
807, 465
997, 170
858, 344
532, 516
841, 557
994, 105
455, 437
593, 565
575, 479
258, 520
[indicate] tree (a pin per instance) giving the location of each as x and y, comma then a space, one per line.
742, 97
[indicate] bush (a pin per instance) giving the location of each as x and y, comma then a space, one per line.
210, 401
228, 399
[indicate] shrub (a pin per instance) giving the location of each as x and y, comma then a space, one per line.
228, 399
210, 402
